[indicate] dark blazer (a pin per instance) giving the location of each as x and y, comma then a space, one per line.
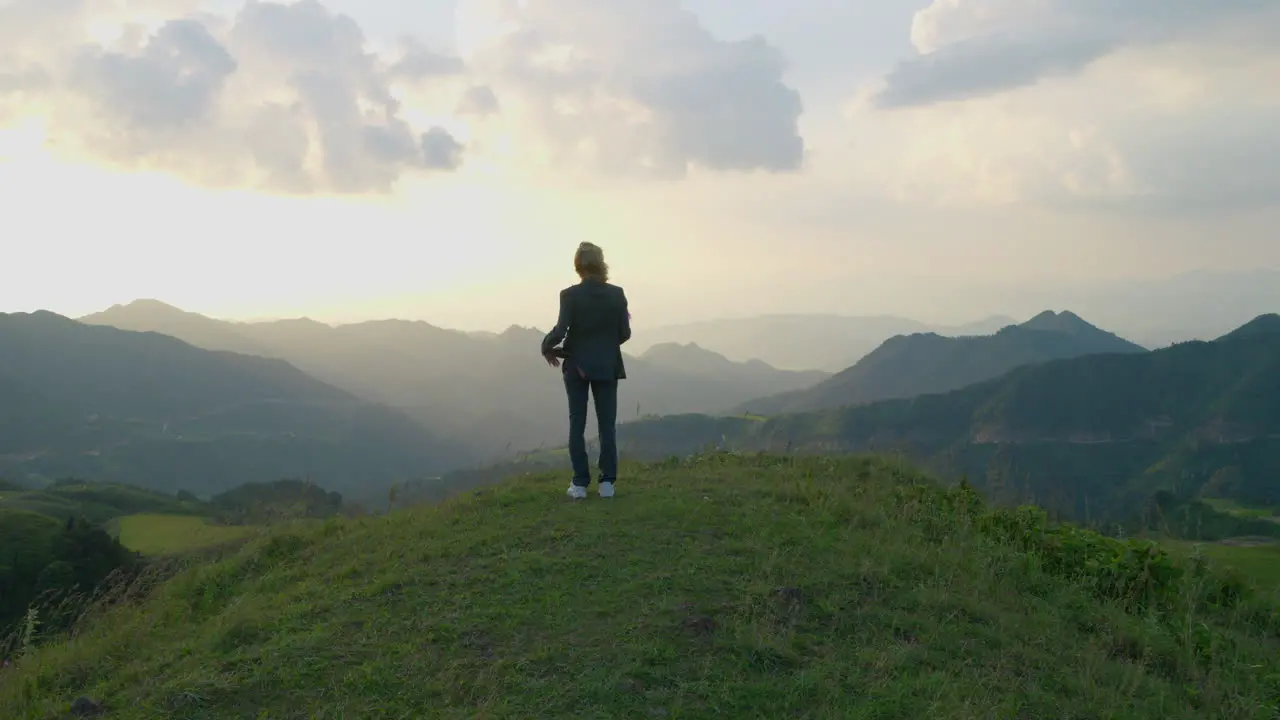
594, 324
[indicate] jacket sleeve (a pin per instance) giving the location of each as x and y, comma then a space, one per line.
624, 332
561, 328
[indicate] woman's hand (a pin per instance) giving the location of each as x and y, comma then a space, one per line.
552, 360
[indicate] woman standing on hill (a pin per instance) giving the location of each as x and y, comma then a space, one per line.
593, 324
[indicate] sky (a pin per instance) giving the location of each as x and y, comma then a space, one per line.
441, 159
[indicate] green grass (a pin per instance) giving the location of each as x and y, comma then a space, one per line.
174, 534
1259, 562
720, 587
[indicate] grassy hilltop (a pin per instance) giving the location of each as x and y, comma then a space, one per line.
722, 586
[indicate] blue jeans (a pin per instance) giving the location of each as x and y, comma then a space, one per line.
605, 395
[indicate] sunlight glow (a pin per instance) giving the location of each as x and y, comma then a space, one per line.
104, 32
22, 142
479, 23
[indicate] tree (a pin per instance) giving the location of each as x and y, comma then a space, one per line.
57, 575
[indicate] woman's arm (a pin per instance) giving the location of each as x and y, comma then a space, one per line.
561, 328
624, 332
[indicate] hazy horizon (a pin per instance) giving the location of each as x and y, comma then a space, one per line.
1089, 301
439, 160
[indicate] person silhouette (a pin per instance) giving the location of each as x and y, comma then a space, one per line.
593, 325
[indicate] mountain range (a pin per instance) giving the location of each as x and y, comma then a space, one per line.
149, 394
923, 363
1093, 436
485, 394
1152, 312
798, 341
149, 409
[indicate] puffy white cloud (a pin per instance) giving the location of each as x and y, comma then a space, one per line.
1167, 105
290, 98
633, 86
174, 80
975, 47
282, 97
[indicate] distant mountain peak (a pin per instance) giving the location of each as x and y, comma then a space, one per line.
1268, 324
151, 303
293, 322
38, 316
913, 337
1064, 322
924, 363
675, 346
149, 308
519, 332
683, 352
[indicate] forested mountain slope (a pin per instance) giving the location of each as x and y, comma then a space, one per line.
147, 409
910, 365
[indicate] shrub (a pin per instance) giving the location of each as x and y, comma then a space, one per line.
1138, 574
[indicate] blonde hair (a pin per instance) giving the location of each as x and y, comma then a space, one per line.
589, 262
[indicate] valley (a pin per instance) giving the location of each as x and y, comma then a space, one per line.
485, 397
149, 462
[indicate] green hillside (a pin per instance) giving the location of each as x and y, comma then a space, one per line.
906, 366
1093, 436
717, 587
147, 409
57, 544
94, 502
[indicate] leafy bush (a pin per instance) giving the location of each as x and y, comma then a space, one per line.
42, 560
264, 503
1138, 574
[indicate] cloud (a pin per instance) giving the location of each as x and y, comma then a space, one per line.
440, 151
972, 68
280, 97
22, 80
173, 81
418, 62
289, 98
1080, 103
25, 24
968, 48
479, 100
634, 87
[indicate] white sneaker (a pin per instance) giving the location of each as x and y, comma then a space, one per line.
577, 492
606, 489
